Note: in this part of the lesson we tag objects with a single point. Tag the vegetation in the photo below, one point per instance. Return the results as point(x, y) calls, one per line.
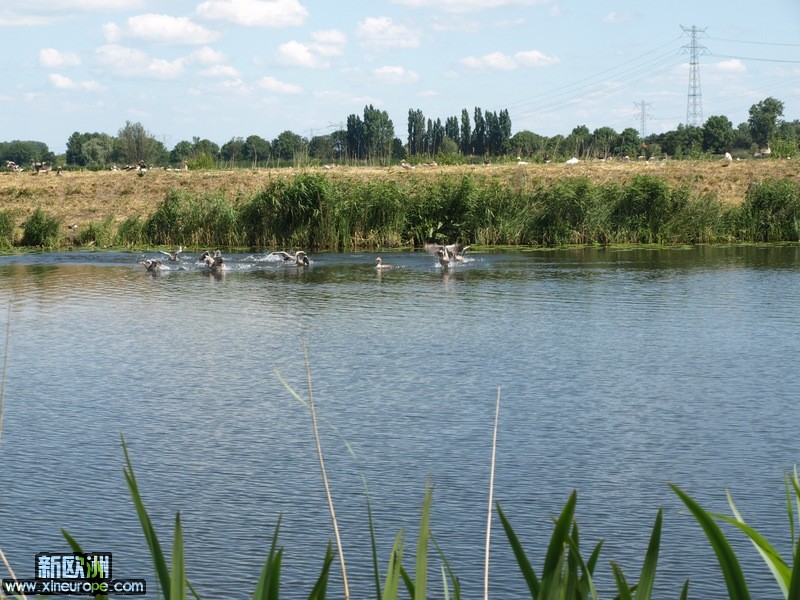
point(548, 205)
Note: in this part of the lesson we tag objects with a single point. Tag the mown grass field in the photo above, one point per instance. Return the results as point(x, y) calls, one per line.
point(82, 197)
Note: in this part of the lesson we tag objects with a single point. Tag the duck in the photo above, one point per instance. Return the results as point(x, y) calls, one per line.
point(379, 264)
point(173, 256)
point(300, 258)
point(151, 265)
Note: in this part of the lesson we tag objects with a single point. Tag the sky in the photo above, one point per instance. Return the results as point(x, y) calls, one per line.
point(219, 69)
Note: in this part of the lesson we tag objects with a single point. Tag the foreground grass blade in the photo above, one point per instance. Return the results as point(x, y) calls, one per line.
point(519, 553)
point(391, 586)
point(421, 564)
point(734, 578)
point(270, 573)
point(622, 584)
point(555, 550)
point(177, 584)
point(159, 563)
point(647, 577)
point(5, 370)
point(491, 500)
point(321, 587)
point(775, 563)
point(76, 547)
point(446, 566)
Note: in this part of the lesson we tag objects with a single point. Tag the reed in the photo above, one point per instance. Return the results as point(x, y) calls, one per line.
point(41, 230)
point(7, 229)
point(101, 234)
point(771, 212)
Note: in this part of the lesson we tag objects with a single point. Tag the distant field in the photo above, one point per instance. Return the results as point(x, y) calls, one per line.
point(82, 197)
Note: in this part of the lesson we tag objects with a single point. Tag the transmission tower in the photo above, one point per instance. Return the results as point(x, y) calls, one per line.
point(694, 101)
point(643, 115)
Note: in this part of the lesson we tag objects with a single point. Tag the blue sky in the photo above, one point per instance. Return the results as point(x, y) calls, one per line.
point(219, 69)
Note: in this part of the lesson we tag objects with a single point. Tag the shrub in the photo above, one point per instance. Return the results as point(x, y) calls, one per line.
point(41, 230)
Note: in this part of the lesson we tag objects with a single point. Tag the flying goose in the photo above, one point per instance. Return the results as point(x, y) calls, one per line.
point(215, 262)
point(151, 265)
point(457, 252)
point(300, 258)
point(173, 256)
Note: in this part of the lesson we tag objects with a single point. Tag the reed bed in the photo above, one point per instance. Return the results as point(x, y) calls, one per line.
point(365, 208)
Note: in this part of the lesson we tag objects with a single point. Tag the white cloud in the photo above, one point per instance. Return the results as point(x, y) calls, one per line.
point(554, 11)
point(278, 87)
point(222, 71)
point(534, 58)
point(460, 6)
point(497, 61)
point(328, 43)
point(616, 17)
point(160, 29)
point(206, 56)
point(254, 13)
point(33, 13)
point(131, 63)
point(295, 54)
point(428, 94)
point(50, 58)
point(65, 83)
point(733, 65)
point(380, 33)
point(392, 75)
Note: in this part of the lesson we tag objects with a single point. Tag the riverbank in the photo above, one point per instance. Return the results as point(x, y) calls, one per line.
point(342, 207)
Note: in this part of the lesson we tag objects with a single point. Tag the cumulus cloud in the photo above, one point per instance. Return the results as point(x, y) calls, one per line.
point(328, 43)
point(254, 13)
point(34, 13)
point(733, 65)
point(65, 83)
point(615, 17)
point(131, 63)
point(206, 56)
point(221, 71)
point(498, 61)
point(395, 75)
point(160, 29)
point(295, 54)
point(460, 6)
point(381, 33)
point(278, 87)
point(50, 58)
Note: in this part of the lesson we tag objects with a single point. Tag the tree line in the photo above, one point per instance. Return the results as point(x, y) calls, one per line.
point(370, 139)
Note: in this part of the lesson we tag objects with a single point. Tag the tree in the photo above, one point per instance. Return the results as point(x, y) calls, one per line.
point(321, 148)
point(134, 143)
point(416, 132)
point(717, 134)
point(603, 140)
point(628, 143)
point(74, 154)
point(356, 144)
point(526, 143)
point(451, 130)
point(578, 141)
point(25, 152)
point(378, 133)
point(182, 152)
point(98, 150)
point(479, 133)
point(255, 149)
point(466, 133)
point(764, 120)
point(289, 146)
point(232, 149)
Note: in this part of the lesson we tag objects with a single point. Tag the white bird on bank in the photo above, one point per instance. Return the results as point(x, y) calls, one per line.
point(728, 159)
point(173, 256)
point(300, 258)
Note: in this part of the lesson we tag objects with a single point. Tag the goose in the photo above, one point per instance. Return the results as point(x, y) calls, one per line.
point(215, 262)
point(379, 264)
point(444, 257)
point(728, 159)
point(151, 265)
point(173, 256)
point(456, 252)
point(300, 258)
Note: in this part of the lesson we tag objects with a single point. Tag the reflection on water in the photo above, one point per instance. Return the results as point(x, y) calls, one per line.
point(620, 371)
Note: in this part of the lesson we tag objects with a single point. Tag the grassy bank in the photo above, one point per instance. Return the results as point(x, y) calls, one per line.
point(342, 209)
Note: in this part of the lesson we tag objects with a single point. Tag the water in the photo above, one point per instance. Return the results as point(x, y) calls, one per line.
point(619, 371)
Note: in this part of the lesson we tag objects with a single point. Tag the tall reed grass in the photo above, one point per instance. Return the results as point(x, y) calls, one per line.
point(312, 211)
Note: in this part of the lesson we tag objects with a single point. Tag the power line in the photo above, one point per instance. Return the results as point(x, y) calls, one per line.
point(752, 42)
point(776, 60)
point(643, 115)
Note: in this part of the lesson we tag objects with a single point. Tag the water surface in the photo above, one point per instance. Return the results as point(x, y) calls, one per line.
point(619, 371)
